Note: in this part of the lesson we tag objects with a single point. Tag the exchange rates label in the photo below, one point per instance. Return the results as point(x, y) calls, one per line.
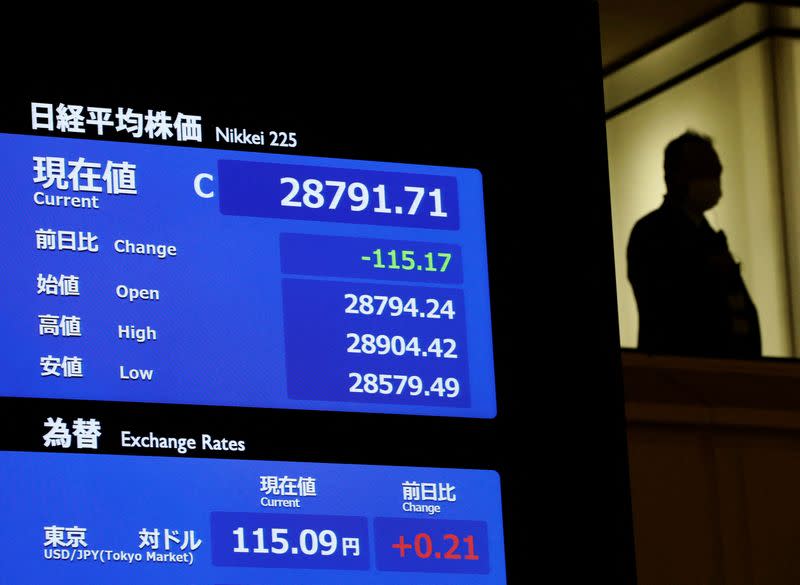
point(189, 521)
point(151, 273)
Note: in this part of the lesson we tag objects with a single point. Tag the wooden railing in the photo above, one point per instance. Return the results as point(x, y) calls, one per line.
point(714, 449)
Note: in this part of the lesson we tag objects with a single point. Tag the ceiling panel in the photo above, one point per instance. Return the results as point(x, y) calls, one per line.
point(627, 26)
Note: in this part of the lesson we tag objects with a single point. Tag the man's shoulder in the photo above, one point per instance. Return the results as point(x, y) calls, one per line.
point(656, 222)
point(662, 231)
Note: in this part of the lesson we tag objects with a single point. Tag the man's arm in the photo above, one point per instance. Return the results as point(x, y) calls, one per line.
point(666, 292)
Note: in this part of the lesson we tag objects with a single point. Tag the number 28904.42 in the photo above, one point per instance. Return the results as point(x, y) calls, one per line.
point(370, 344)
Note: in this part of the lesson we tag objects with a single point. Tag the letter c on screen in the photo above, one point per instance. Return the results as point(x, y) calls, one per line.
point(198, 190)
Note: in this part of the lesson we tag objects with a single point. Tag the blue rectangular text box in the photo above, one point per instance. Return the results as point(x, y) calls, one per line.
point(431, 546)
point(129, 520)
point(334, 349)
point(371, 258)
point(285, 191)
point(179, 303)
point(284, 540)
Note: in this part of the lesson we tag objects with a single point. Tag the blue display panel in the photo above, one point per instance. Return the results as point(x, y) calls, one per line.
point(169, 274)
point(99, 519)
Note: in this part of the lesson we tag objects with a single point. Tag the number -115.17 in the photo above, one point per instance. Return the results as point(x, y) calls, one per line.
point(407, 260)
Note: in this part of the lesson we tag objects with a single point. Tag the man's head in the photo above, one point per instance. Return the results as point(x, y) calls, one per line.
point(692, 172)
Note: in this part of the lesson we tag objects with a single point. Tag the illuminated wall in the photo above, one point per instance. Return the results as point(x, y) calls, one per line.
point(734, 101)
point(787, 58)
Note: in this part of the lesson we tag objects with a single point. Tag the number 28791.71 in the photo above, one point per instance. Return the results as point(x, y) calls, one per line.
point(316, 194)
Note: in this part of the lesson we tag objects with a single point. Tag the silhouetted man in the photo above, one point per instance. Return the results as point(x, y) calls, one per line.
point(690, 294)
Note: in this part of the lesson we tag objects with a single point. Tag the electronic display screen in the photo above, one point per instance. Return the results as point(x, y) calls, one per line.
point(168, 274)
point(203, 288)
point(128, 520)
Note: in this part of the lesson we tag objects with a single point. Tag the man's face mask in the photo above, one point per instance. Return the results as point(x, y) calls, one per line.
point(703, 193)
